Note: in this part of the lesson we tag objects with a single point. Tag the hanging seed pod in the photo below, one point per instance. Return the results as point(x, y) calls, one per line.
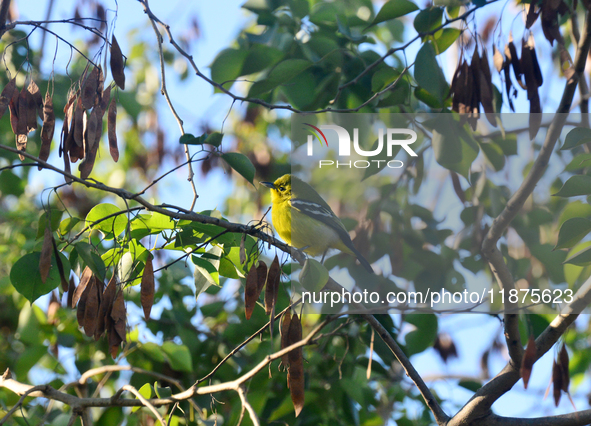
point(250, 291)
point(284, 331)
point(89, 89)
point(6, 96)
point(147, 288)
point(117, 64)
point(13, 105)
point(295, 375)
point(112, 130)
point(48, 128)
point(557, 382)
point(105, 307)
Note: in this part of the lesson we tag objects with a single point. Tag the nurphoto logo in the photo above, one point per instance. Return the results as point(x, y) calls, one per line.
point(393, 138)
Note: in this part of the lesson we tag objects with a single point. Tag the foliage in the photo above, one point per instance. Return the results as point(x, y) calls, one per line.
point(99, 246)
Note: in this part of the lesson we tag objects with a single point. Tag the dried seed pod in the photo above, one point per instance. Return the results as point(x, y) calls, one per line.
point(147, 288)
point(117, 64)
point(21, 125)
point(38, 99)
point(512, 56)
point(92, 307)
point(272, 289)
point(563, 363)
point(45, 259)
point(6, 95)
point(80, 311)
point(13, 105)
point(89, 88)
point(250, 291)
point(295, 375)
point(557, 381)
point(48, 128)
point(118, 315)
point(529, 358)
point(105, 307)
point(112, 130)
point(78, 123)
point(84, 280)
point(104, 102)
point(486, 89)
point(71, 291)
point(284, 331)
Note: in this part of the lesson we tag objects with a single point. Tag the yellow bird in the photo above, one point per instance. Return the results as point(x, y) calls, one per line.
point(305, 221)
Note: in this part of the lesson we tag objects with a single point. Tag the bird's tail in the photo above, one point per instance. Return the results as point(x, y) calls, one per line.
point(362, 259)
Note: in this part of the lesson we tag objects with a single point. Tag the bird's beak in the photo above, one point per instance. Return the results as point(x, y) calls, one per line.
point(268, 184)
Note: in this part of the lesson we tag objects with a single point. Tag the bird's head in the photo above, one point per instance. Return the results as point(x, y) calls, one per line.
point(280, 189)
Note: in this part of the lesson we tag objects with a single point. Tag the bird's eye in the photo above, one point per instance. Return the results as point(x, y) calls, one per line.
point(281, 188)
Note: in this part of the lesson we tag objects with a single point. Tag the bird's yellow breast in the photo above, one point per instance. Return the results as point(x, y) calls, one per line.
point(304, 232)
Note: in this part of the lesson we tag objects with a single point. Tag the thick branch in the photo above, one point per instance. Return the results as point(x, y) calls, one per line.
point(480, 404)
point(4, 8)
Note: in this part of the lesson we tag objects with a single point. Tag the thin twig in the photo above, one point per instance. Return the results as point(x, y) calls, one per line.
point(178, 119)
point(145, 402)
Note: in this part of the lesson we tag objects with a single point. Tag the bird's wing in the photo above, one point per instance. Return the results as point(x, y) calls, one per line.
point(322, 214)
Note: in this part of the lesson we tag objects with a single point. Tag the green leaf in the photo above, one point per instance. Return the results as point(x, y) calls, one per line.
point(111, 227)
point(572, 231)
point(241, 164)
point(580, 258)
point(227, 66)
point(445, 38)
point(206, 271)
point(471, 385)
point(494, 154)
point(282, 73)
point(153, 350)
point(313, 275)
point(11, 184)
point(260, 57)
point(576, 137)
point(67, 224)
point(151, 223)
point(146, 392)
point(26, 278)
point(394, 9)
point(428, 74)
point(428, 19)
point(214, 139)
point(189, 139)
point(179, 356)
point(91, 259)
point(575, 186)
point(425, 334)
point(55, 216)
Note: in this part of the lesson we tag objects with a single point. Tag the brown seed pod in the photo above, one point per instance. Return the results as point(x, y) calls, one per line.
point(118, 315)
point(147, 288)
point(21, 125)
point(563, 363)
point(89, 89)
point(272, 288)
point(37, 98)
point(105, 307)
point(250, 291)
point(45, 259)
point(13, 105)
point(117, 64)
point(92, 307)
point(295, 376)
point(84, 280)
point(284, 331)
point(557, 382)
point(78, 122)
point(112, 130)
point(48, 128)
point(6, 96)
